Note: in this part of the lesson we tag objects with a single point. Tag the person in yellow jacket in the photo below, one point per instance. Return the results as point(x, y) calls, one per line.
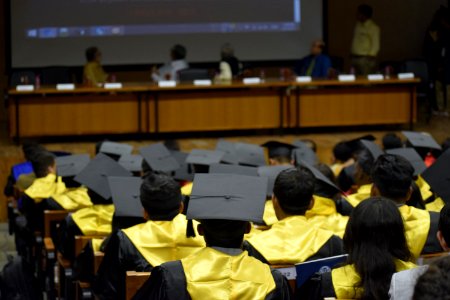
point(93, 72)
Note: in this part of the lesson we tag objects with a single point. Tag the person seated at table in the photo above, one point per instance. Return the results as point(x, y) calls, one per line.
point(377, 248)
point(229, 67)
point(142, 247)
point(222, 270)
point(317, 64)
point(293, 239)
point(392, 178)
point(169, 71)
point(93, 72)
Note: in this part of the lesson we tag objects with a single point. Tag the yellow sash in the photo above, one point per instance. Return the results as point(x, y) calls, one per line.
point(25, 181)
point(211, 274)
point(324, 215)
point(425, 189)
point(163, 241)
point(346, 280)
point(74, 199)
point(45, 187)
point(187, 189)
point(94, 220)
point(322, 206)
point(417, 225)
point(362, 194)
point(436, 205)
point(97, 244)
point(269, 216)
point(290, 241)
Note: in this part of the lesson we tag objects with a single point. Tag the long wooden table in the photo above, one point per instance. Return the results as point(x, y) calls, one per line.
point(145, 108)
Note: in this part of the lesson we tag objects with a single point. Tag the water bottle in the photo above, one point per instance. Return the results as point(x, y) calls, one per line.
point(37, 82)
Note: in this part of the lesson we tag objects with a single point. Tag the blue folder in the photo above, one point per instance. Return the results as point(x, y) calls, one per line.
point(22, 168)
point(307, 269)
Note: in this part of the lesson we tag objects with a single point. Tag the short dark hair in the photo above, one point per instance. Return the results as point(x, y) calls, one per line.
point(444, 223)
point(90, 53)
point(294, 189)
point(374, 238)
point(41, 161)
point(224, 233)
point(392, 141)
point(393, 176)
point(29, 149)
point(435, 282)
point(178, 52)
point(160, 197)
point(366, 10)
point(365, 161)
point(342, 151)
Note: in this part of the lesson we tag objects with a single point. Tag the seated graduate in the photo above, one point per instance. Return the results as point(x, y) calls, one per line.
point(342, 157)
point(391, 141)
point(443, 234)
point(392, 178)
point(169, 71)
point(224, 204)
point(377, 248)
point(229, 67)
point(293, 239)
point(93, 72)
point(434, 283)
point(317, 64)
point(142, 247)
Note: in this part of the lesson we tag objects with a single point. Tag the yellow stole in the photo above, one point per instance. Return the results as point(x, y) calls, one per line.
point(362, 194)
point(269, 216)
point(436, 205)
point(163, 241)
point(45, 187)
point(215, 275)
point(346, 280)
point(290, 241)
point(74, 199)
point(417, 225)
point(425, 189)
point(187, 189)
point(95, 220)
point(324, 215)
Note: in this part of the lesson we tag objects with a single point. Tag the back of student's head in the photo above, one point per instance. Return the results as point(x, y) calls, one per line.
point(178, 52)
point(160, 197)
point(42, 161)
point(294, 189)
point(224, 233)
point(91, 53)
point(374, 237)
point(29, 149)
point(393, 175)
point(444, 224)
point(435, 282)
point(324, 189)
point(366, 10)
point(342, 152)
point(392, 141)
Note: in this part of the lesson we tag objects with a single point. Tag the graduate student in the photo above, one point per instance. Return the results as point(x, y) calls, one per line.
point(443, 234)
point(144, 246)
point(224, 204)
point(392, 178)
point(293, 239)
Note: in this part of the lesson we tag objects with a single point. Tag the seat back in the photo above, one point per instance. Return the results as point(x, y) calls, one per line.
point(290, 273)
point(187, 75)
point(51, 217)
point(134, 281)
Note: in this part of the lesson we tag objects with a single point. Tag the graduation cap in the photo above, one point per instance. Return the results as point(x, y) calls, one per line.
point(250, 155)
point(227, 197)
point(159, 158)
point(304, 153)
point(421, 140)
point(115, 150)
point(229, 148)
point(271, 173)
point(373, 148)
point(72, 165)
point(95, 174)
point(125, 193)
point(233, 169)
point(22, 168)
point(355, 144)
point(204, 157)
point(412, 156)
point(320, 176)
point(278, 149)
point(131, 162)
point(183, 172)
point(438, 176)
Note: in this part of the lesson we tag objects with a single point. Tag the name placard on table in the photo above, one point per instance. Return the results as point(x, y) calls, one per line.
point(252, 80)
point(405, 75)
point(167, 83)
point(112, 85)
point(65, 86)
point(303, 79)
point(25, 88)
point(349, 77)
point(202, 82)
point(375, 77)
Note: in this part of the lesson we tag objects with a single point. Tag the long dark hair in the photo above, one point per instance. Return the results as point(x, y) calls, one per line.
point(374, 238)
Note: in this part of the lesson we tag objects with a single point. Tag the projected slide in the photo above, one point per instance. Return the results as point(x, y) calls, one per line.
point(146, 17)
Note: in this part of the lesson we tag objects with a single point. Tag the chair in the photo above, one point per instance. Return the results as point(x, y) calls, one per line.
point(193, 74)
point(134, 281)
point(289, 272)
